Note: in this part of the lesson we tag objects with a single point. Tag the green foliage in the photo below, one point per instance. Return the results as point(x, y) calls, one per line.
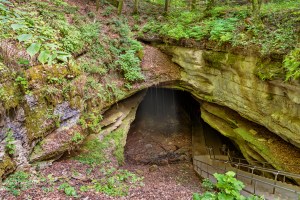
point(10, 146)
point(291, 64)
point(119, 138)
point(91, 121)
point(222, 29)
point(77, 138)
point(94, 149)
point(130, 65)
point(116, 182)
point(108, 10)
point(68, 189)
point(92, 152)
point(23, 83)
point(3, 94)
point(33, 34)
point(84, 188)
point(17, 182)
point(227, 187)
point(233, 24)
point(207, 184)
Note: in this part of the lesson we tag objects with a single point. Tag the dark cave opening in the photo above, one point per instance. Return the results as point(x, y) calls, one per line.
point(168, 128)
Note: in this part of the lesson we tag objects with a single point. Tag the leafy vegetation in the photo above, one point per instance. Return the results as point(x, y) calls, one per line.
point(95, 152)
point(227, 187)
point(68, 189)
point(116, 182)
point(18, 182)
point(267, 33)
point(291, 64)
point(10, 146)
point(77, 138)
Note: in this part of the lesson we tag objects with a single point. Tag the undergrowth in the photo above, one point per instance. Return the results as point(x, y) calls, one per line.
point(276, 33)
point(227, 187)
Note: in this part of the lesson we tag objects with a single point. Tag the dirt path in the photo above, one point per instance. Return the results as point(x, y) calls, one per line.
point(175, 181)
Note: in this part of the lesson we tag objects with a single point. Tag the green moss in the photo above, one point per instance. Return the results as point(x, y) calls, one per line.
point(118, 138)
point(38, 149)
point(10, 95)
point(35, 121)
point(214, 59)
point(208, 98)
point(92, 151)
point(6, 165)
point(268, 70)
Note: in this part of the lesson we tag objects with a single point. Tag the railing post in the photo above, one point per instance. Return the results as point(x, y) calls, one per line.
point(275, 182)
point(264, 164)
point(252, 171)
point(254, 188)
point(207, 171)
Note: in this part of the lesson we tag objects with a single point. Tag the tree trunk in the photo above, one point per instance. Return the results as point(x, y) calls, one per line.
point(120, 7)
point(210, 4)
point(193, 7)
point(256, 5)
point(97, 5)
point(167, 6)
point(136, 6)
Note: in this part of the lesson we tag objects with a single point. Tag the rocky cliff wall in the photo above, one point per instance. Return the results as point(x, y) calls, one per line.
point(48, 121)
point(231, 80)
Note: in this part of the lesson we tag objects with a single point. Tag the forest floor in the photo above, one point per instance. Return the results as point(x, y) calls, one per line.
point(174, 181)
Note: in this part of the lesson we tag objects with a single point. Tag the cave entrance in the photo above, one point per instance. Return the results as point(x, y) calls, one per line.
point(168, 129)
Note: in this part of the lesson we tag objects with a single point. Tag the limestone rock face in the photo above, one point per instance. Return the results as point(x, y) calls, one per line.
point(230, 80)
point(63, 138)
point(256, 142)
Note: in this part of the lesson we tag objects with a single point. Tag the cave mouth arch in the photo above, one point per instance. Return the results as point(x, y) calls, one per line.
point(168, 128)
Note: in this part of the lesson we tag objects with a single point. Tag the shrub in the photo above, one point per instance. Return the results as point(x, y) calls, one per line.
point(228, 187)
point(130, 65)
point(291, 64)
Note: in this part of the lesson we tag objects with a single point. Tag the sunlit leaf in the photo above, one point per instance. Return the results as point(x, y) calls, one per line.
point(44, 56)
point(24, 37)
point(17, 26)
point(33, 49)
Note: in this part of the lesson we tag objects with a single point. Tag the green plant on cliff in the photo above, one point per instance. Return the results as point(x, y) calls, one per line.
point(227, 187)
point(93, 152)
point(291, 64)
point(3, 94)
point(23, 83)
point(77, 138)
point(10, 146)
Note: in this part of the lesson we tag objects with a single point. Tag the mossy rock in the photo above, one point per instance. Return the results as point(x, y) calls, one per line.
point(10, 95)
point(39, 121)
point(7, 165)
point(58, 142)
point(269, 70)
point(214, 59)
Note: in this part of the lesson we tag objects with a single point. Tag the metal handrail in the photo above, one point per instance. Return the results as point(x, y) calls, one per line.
point(274, 185)
point(263, 162)
point(259, 168)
